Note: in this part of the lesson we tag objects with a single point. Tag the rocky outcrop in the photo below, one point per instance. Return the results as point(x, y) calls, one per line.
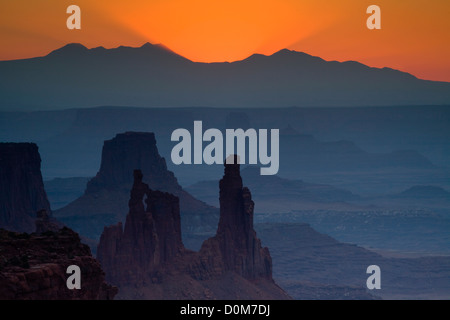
point(235, 246)
point(104, 201)
point(151, 237)
point(33, 267)
point(147, 259)
point(44, 223)
point(22, 191)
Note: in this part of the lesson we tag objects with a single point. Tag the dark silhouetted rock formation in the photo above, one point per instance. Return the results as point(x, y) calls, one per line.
point(33, 267)
point(153, 76)
point(235, 246)
point(44, 223)
point(106, 195)
point(124, 153)
point(147, 258)
point(22, 191)
point(151, 238)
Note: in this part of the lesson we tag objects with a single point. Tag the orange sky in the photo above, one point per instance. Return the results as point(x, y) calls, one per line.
point(414, 35)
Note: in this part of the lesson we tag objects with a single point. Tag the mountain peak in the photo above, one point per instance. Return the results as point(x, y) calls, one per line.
point(155, 45)
point(161, 50)
point(71, 48)
point(147, 45)
point(284, 53)
point(74, 46)
point(75, 50)
point(284, 56)
point(152, 75)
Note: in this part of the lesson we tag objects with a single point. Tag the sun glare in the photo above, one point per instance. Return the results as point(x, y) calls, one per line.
point(208, 31)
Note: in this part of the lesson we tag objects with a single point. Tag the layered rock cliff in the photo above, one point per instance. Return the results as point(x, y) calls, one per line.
point(33, 267)
point(104, 201)
point(147, 259)
point(22, 191)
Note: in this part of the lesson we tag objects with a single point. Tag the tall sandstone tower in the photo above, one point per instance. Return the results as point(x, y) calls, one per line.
point(146, 258)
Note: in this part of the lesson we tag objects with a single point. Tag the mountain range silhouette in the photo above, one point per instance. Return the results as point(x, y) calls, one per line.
point(153, 75)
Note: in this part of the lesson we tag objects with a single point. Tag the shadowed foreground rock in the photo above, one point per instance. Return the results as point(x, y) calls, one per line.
point(22, 191)
point(147, 260)
point(33, 267)
point(44, 223)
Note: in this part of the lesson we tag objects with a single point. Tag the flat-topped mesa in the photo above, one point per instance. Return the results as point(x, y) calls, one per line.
point(107, 194)
point(150, 239)
point(239, 248)
point(22, 191)
point(127, 151)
